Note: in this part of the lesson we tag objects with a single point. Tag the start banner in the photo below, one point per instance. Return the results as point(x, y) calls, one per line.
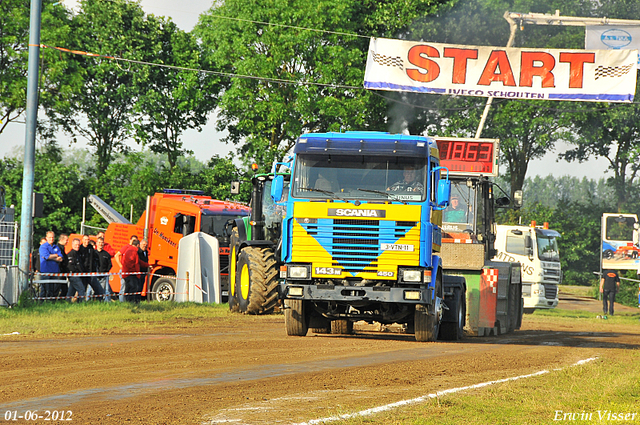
point(540, 74)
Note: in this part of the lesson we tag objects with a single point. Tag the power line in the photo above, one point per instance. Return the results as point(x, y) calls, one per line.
point(294, 82)
point(205, 71)
point(288, 26)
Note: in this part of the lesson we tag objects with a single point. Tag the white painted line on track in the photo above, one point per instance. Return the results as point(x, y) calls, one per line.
point(423, 398)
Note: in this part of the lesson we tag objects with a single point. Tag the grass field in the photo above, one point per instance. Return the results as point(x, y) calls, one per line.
point(590, 393)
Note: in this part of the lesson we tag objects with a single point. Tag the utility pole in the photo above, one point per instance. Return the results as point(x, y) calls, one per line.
point(516, 20)
point(26, 218)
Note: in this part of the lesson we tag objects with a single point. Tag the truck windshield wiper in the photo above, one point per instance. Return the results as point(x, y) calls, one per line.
point(333, 195)
point(387, 194)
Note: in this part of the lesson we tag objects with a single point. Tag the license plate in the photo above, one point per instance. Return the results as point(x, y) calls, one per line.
point(332, 271)
point(396, 247)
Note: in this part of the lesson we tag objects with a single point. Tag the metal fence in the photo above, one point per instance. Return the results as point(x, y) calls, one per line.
point(8, 240)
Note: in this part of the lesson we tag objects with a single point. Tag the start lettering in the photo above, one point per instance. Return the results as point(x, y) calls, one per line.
point(498, 67)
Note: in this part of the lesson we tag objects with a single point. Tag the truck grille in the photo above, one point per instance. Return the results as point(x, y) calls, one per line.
point(551, 275)
point(355, 245)
point(550, 292)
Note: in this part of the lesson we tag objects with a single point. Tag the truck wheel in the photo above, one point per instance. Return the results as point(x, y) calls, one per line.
point(341, 327)
point(164, 289)
point(256, 281)
point(453, 331)
point(427, 317)
point(295, 318)
point(234, 240)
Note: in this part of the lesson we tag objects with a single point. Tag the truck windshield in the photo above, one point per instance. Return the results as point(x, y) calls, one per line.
point(548, 248)
point(213, 224)
point(359, 177)
point(461, 206)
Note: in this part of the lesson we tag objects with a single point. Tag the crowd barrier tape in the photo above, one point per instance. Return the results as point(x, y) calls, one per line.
point(114, 296)
point(92, 274)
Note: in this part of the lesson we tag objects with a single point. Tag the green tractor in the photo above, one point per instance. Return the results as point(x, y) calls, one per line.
point(254, 244)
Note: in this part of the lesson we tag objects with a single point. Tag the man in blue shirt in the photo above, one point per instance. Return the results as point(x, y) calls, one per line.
point(50, 259)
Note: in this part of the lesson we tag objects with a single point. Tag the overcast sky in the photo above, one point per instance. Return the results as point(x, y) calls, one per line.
point(206, 143)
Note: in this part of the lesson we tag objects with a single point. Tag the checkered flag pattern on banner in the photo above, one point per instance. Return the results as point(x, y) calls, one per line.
point(387, 60)
point(612, 71)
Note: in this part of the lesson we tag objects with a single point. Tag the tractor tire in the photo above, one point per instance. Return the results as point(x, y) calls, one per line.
point(164, 289)
point(427, 317)
point(341, 327)
point(453, 331)
point(234, 241)
point(295, 318)
point(256, 287)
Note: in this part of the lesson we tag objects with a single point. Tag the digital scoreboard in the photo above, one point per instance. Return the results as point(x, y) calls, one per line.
point(469, 156)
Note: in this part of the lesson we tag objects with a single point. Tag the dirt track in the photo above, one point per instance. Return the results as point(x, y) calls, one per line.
point(245, 370)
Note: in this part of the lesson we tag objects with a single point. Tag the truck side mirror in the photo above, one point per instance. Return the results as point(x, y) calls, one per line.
point(528, 245)
point(517, 199)
point(235, 187)
point(444, 193)
point(277, 187)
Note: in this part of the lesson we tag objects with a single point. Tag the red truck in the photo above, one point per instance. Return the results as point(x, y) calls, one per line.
point(169, 216)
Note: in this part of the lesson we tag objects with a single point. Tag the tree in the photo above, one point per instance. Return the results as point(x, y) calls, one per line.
point(612, 132)
point(103, 111)
point(176, 100)
point(296, 80)
point(56, 78)
point(527, 129)
point(62, 188)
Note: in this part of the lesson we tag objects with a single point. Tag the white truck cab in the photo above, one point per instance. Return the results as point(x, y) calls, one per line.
point(536, 249)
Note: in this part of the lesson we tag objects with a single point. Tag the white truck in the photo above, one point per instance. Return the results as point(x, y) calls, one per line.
point(536, 249)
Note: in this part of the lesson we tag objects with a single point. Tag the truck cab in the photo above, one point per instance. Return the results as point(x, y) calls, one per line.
point(536, 249)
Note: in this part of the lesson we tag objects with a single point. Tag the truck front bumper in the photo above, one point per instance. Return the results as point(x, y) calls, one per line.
point(347, 294)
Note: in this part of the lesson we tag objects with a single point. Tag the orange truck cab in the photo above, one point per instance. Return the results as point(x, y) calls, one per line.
point(170, 216)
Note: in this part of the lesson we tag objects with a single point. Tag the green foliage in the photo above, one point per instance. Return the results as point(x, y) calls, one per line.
point(56, 76)
point(628, 294)
point(175, 100)
point(265, 117)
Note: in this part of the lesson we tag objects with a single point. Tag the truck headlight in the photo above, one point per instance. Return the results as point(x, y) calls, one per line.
point(412, 276)
point(298, 272)
point(295, 291)
point(412, 295)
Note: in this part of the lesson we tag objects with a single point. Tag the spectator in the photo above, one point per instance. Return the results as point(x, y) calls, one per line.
point(104, 265)
point(130, 269)
point(107, 246)
point(118, 258)
point(63, 239)
point(609, 286)
point(143, 262)
point(89, 265)
point(76, 287)
point(50, 259)
point(35, 267)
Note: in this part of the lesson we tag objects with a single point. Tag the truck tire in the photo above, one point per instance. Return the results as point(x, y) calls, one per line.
point(164, 289)
point(341, 327)
point(234, 241)
point(295, 318)
point(427, 317)
point(256, 281)
point(453, 331)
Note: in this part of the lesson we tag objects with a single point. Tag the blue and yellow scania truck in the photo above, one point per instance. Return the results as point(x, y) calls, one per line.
point(354, 230)
point(362, 235)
